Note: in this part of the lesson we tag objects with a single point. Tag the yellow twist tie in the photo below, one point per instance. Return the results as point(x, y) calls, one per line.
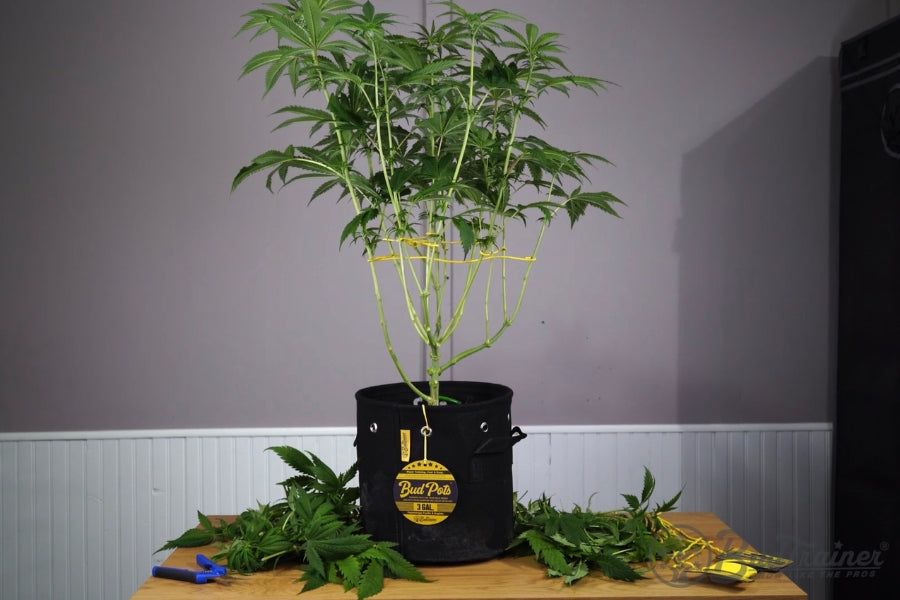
point(683, 557)
point(422, 242)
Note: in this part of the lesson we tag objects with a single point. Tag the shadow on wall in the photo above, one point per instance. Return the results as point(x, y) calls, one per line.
point(756, 244)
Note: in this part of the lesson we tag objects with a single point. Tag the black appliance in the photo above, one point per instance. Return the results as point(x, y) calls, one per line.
point(865, 560)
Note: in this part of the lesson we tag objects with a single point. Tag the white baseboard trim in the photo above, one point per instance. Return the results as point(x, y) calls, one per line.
point(81, 513)
point(119, 434)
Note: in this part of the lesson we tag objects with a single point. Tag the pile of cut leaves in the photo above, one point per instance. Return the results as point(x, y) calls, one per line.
point(572, 543)
point(317, 527)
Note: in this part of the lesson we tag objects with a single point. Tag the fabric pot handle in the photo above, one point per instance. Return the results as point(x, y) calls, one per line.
point(501, 444)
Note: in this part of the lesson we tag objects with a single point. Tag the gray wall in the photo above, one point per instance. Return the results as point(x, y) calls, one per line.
point(137, 292)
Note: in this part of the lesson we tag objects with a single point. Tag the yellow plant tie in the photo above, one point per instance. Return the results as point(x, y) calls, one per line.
point(416, 242)
point(695, 545)
point(423, 242)
point(426, 431)
point(454, 261)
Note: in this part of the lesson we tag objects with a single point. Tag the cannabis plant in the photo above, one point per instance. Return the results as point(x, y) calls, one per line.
point(419, 128)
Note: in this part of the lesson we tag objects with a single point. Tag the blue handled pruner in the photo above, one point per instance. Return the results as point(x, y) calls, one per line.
point(210, 571)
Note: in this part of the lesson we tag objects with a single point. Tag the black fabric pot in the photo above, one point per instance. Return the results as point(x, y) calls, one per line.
point(461, 514)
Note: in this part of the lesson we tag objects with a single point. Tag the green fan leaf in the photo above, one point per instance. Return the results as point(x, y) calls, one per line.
point(579, 571)
point(649, 486)
point(315, 563)
point(669, 504)
point(296, 459)
point(313, 581)
point(351, 570)
point(371, 582)
point(547, 552)
point(395, 564)
point(191, 538)
point(633, 501)
point(616, 568)
point(466, 234)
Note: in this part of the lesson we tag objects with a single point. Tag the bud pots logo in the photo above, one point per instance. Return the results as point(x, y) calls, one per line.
point(425, 492)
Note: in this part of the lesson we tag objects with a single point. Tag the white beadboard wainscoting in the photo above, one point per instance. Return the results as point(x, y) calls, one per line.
point(82, 513)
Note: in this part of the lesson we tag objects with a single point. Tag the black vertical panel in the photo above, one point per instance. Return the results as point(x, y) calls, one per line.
point(866, 556)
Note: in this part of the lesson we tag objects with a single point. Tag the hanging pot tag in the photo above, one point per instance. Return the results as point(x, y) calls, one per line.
point(425, 492)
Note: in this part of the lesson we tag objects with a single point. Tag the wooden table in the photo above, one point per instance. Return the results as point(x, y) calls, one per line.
point(499, 579)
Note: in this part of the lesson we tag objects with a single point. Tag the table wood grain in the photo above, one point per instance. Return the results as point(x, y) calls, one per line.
point(498, 579)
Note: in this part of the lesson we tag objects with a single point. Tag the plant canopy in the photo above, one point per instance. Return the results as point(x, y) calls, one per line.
point(420, 128)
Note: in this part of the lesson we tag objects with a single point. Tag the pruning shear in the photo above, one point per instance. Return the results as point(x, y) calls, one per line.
point(210, 571)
